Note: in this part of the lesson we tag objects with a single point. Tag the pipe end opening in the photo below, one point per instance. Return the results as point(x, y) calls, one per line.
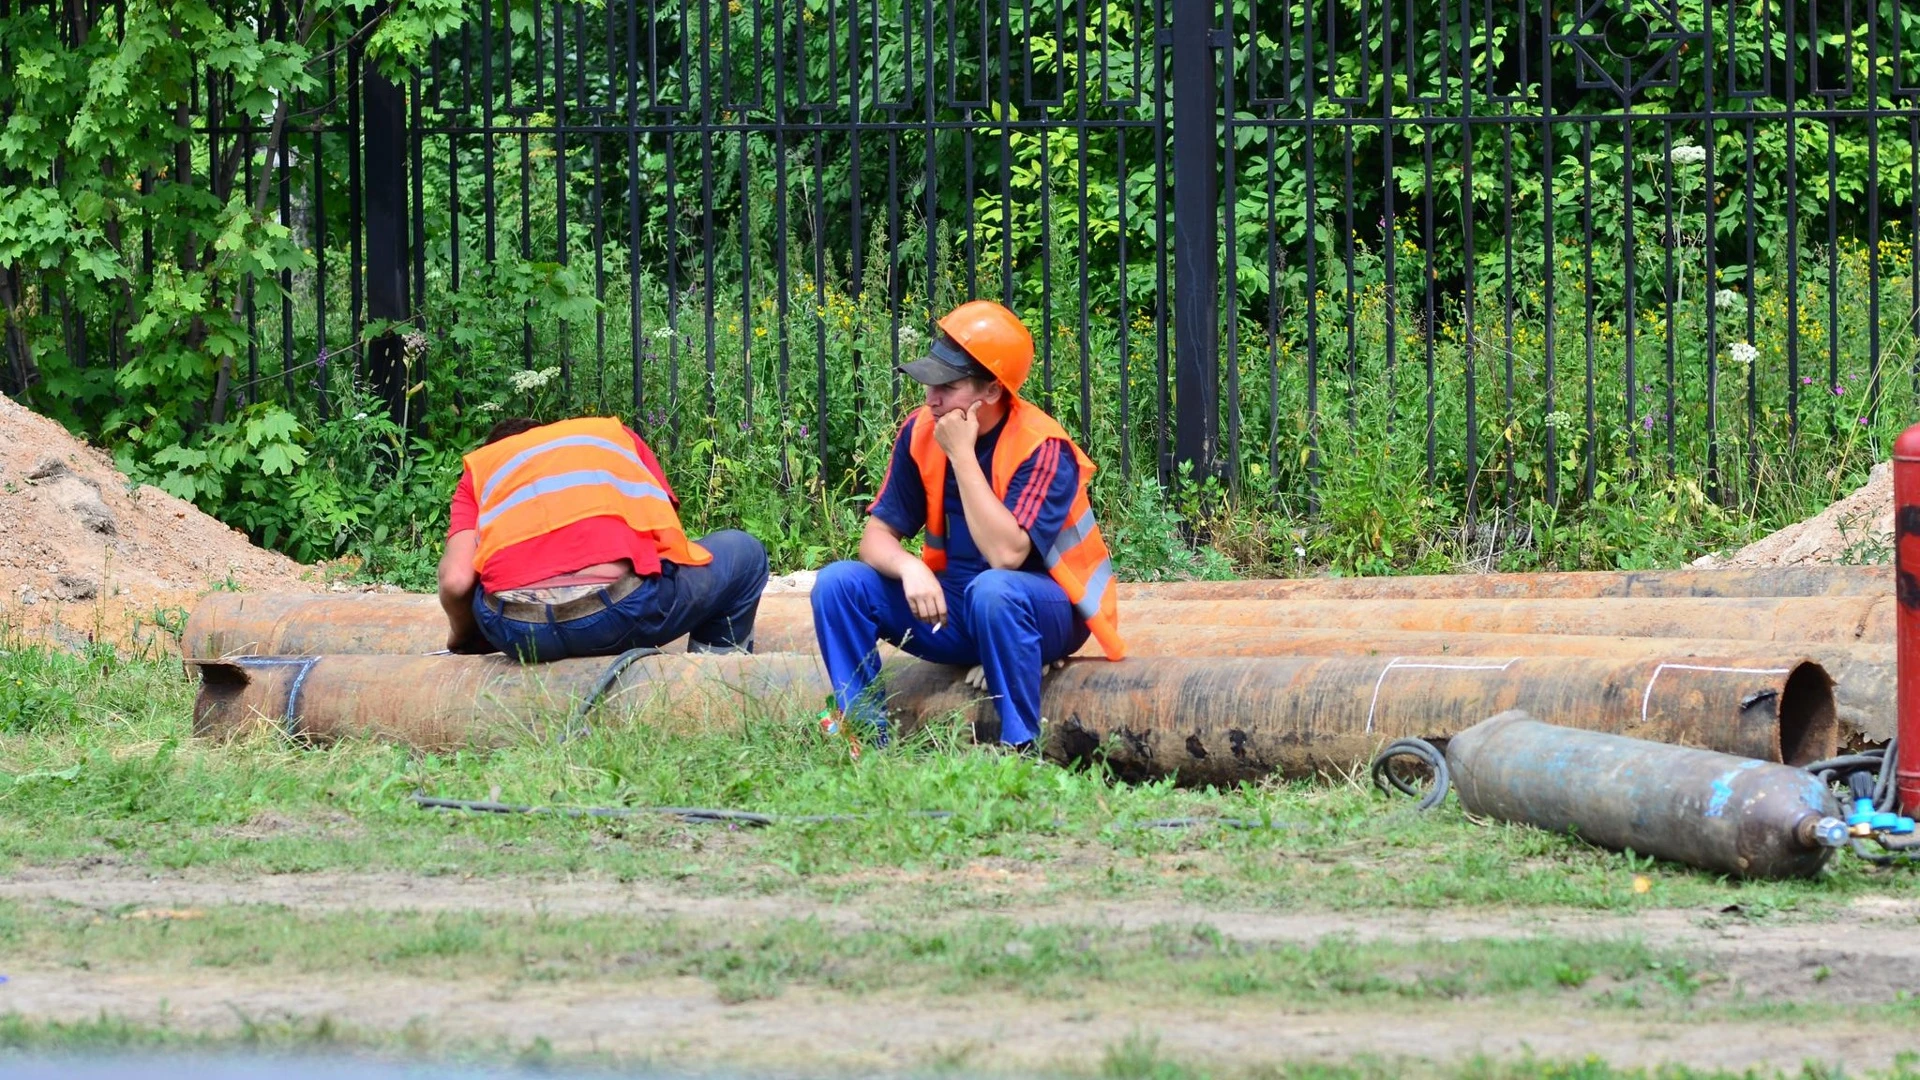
point(1809, 723)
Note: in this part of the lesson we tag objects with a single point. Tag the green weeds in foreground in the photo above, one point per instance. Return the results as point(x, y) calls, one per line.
point(110, 770)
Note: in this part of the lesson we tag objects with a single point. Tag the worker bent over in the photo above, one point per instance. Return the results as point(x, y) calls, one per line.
point(564, 540)
point(1013, 574)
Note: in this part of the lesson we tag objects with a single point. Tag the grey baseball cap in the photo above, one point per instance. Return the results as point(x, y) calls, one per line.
point(945, 362)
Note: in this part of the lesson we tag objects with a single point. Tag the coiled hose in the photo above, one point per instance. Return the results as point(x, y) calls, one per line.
point(1389, 780)
point(1839, 771)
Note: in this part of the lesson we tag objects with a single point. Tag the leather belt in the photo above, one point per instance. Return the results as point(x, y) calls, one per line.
point(599, 600)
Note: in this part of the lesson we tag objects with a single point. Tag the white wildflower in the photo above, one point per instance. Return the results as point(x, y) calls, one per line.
point(487, 406)
point(1729, 300)
point(1743, 352)
point(1299, 552)
point(663, 333)
point(910, 338)
point(1559, 420)
point(359, 416)
point(413, 344)
point(524, 382)
point(1688, 154)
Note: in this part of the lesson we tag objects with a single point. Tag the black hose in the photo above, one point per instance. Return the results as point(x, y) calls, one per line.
point(689, 814)
point(1883, 793)
point(1880, 762)
point(696, 815)
point(1420, 750)
point(577, 723)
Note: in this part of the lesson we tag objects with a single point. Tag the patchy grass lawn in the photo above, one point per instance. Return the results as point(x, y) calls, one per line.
point(1044, 892)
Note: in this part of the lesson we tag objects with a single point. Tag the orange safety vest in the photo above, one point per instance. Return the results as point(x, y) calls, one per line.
point(553, 476)
point(1078, 560)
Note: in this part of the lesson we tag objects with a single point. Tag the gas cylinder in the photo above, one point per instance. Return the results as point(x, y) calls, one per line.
point(1906, 586)
point(1718, 812)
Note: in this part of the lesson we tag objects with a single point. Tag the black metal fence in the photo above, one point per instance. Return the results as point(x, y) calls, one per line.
point(1523, 246)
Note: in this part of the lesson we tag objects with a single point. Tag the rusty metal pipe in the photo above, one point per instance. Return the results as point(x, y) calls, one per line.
point(239, 624)
point(1822, 619)
point(444, 702)
point(1781, 581)
point(1201, 720)
point(1221, 721)
point(230, 624)
point(1863, 674)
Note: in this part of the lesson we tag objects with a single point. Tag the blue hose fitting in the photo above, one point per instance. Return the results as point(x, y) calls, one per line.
point(1860, 822)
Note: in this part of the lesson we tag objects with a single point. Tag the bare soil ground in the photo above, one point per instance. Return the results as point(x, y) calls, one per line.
point(1866, 955)
point(1858, 528)
point(86, 554)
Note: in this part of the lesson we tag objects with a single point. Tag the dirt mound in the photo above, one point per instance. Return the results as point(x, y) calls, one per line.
point(88, 555)
point(1857, 529)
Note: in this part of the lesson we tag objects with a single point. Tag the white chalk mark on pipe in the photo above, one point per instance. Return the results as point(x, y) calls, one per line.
point(1395, 663)
point(1646, 700)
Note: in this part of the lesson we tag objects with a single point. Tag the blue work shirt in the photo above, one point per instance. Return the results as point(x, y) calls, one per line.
point(1039, 497)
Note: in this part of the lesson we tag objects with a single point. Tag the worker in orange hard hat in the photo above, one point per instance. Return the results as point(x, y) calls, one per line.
point(1013, 575)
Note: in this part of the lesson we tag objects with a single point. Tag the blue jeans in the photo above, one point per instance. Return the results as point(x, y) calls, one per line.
point(714, 605)
point(1011, 622)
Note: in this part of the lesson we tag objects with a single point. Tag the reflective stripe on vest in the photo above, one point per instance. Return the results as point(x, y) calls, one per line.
point(549, 447)
point(553, 476)
point(1075, 534)
point(1077, 560)
point(547, 485)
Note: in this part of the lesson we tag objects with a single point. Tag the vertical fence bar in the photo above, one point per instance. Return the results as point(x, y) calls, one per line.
point(386, 220)
point(1591, 470)
point(1310, 156)
point(318, 195)
point(1709, 244)
point(1792, 192)
point(636, 293)
point(1163, 456)
point(356, 254)
point(1872, 413)
point(1467, 260)
point(562, 249)
point(1672, 241)
point(1550, 257)
point(1081, 135)
point(1230, 248)
point(783, 377)
point(707, 112)
point(249, 285)
point(1196, 238)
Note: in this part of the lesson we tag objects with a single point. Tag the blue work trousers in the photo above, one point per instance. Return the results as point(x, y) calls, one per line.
point(714, 605)
point(1011, 622)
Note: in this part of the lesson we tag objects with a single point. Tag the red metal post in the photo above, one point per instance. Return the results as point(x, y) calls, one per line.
point(1906, 565)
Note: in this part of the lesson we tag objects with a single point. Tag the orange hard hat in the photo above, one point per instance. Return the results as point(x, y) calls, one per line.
point(995, 338)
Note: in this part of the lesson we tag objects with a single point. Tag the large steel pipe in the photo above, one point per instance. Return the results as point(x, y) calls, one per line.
point(1812, 619)
point(1225, 720)
point(442, 702)
point(1863, 675)
point(1208, 720)
point(233, 624)
point(1576, 585)
point(229, 624)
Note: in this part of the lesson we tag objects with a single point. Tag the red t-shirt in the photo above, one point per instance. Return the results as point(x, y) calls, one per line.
point(566, 549)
